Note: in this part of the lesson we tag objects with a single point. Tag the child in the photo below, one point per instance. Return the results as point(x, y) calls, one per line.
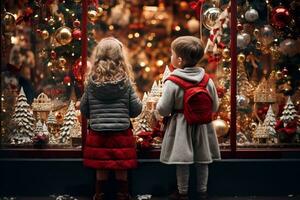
point(185, 144)
point(109, 101)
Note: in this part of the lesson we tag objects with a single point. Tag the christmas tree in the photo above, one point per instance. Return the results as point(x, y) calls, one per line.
point(270, 123)
point(23, 118)
point(51, 118)
point(69, 121)
point(38, 127)
point(289, 113)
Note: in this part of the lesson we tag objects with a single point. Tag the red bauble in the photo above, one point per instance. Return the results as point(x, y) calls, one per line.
point(77, 69)
point(76, 23)
point(76, 34)
point(280, 17)
point(67, 79)
point(53, 54)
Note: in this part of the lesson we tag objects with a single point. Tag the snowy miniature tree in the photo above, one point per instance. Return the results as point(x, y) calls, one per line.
point(38, 127)
point(289, 113)
point(270, 123)
point(23, 118)
point(166, 73)
point(51, 118)
point(69, 121)
point(45, 129)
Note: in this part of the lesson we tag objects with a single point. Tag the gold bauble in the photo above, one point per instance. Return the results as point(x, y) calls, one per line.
point(93, 15)
point(221, 127)
point(9, 22)
point(258, 45)
point(256, 32)
point(100, 11)
point(50, 64)
point(63, 35)
point(241, 57)
point(210, 17)
point(62, 61)
point(45, 34)
point(226, 53)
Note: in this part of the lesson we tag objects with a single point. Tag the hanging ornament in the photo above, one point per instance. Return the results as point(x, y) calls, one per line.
point(53, 54)
point(9, 22)
point(210, 17)
point(241, 42)
point(247, 38)
point(193, 25)
point(76, 23)
point(92, 15)
point(99, 11)
point(239, 27)
point(241, 58)
point(77, 69)
point(45, 34)
point(51, 21)
point(67, 80)
point(288, 47)
point(62, 61)
point(63, 35)
point(220, 126)
point(183, 6)
point(251, 15)
point(76, 34)
point(242, 101)
point(267, 34)
point(226, 53)
point(280, 17)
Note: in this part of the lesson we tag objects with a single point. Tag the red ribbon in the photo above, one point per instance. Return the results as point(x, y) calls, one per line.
point(197, 6)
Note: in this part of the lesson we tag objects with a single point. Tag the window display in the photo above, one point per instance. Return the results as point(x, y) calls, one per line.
point(42, 73)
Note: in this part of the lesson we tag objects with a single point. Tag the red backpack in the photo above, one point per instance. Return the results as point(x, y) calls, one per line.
point(197, 102)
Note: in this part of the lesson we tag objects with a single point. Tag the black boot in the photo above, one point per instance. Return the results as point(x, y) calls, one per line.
point(177, 196)
point(123, 190)
point(99, 190)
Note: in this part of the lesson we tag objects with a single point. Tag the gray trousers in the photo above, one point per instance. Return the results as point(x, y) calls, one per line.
point(183, 174)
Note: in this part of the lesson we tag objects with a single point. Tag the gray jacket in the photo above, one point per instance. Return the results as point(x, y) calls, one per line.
point(110, 105)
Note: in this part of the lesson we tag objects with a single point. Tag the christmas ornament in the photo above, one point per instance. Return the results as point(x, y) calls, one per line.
point(45, 34)
point(226, 53)
point(289, 47)
point(193, 25)
point(267, 34)
point(77, 67)
point(99, 11)
point(280, 17)
point(256, 32)
point(76, 34)
point(183, 6)
point(247, 38)
point(241, 58)
point(251, 15)
point(9, 22)
point(77, 1)
point(92, 15)
point(62, 61)
point(53, 54)
point(51, 21)
point(76, 23)
point(242, 101)
point(210, 17)
point(220, 126)
point(67, 80)
point(63, 35)
point(241, 42)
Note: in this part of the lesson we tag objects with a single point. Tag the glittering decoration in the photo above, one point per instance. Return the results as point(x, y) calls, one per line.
point(251, 15)
point(260, 135)
point(220, 126)
point(210, 17)
point(42, 103)
point(265, 91)
point(63, 35)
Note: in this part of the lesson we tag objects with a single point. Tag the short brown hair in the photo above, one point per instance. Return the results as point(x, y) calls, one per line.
point(189, 48)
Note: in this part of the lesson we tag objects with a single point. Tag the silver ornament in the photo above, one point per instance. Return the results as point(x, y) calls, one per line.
point(251, 15)
point(242, 101)
point(267, 34)
point(210, 17)
point(288, 47)
point(240, 41)
point(247, 38)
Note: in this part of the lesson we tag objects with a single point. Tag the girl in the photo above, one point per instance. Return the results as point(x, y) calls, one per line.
point(185, 144)
point(109, 101)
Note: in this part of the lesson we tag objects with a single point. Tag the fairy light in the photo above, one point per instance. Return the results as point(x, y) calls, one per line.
point(111, 27)
point(136, 35)
point(73, 14)
point(53, 28)
point(53, 77)
point(159, 63)
point(69, 84)
point(59, 18)
point(149, 44)
point(142, 64)
point(73, 54)
point(67, 9)
point(130, 36)
point(177, 28)
point(147, 69)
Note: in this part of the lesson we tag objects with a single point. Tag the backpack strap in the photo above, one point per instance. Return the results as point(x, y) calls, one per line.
point(204, 81)
point(186, 84)
point(179, 81)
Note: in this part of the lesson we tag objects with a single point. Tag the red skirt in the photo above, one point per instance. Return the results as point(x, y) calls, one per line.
point(110, 150)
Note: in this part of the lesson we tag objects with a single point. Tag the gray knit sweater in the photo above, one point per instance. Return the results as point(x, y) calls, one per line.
point(110, 105)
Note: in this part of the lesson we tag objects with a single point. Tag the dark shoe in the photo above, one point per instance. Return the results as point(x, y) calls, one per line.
point(202, 196)
point(123, 190)
point(123, 196)
point(176, 196)
point(98, 196)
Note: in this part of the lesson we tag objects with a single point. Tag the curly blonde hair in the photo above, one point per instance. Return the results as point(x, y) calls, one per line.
point(109, 62)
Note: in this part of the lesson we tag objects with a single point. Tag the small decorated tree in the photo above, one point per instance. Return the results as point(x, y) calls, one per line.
point(270, 123)
point(24, 121)
point(69, 121)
